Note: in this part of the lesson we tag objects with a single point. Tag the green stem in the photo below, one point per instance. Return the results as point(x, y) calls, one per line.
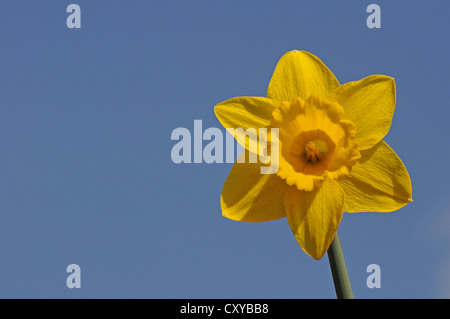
point(339, 269)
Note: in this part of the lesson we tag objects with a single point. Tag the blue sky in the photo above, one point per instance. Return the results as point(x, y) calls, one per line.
point(86, 176)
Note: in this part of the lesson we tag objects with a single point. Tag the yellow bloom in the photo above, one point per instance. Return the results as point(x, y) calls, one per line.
point(331, 154)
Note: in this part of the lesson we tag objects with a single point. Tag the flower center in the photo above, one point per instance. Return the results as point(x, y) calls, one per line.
point(313, 153)
point(315, 142)
point(309, 152)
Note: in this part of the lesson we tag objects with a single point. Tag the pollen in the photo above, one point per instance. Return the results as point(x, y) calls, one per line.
point(313, 153)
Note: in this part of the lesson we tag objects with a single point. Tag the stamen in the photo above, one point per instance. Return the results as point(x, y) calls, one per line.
point(313, 153)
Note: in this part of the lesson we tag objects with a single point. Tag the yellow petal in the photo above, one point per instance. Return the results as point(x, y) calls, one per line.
point(244, 112)
point(370, 104)
point(244, 116)
point(300, 74)
point(379, 182)
point(251, 196)
point(314, 216)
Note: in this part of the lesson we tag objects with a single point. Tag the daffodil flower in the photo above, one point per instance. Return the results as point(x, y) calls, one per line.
point(331, 154)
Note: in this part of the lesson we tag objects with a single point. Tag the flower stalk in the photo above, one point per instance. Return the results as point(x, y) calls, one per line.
point(339, 270)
